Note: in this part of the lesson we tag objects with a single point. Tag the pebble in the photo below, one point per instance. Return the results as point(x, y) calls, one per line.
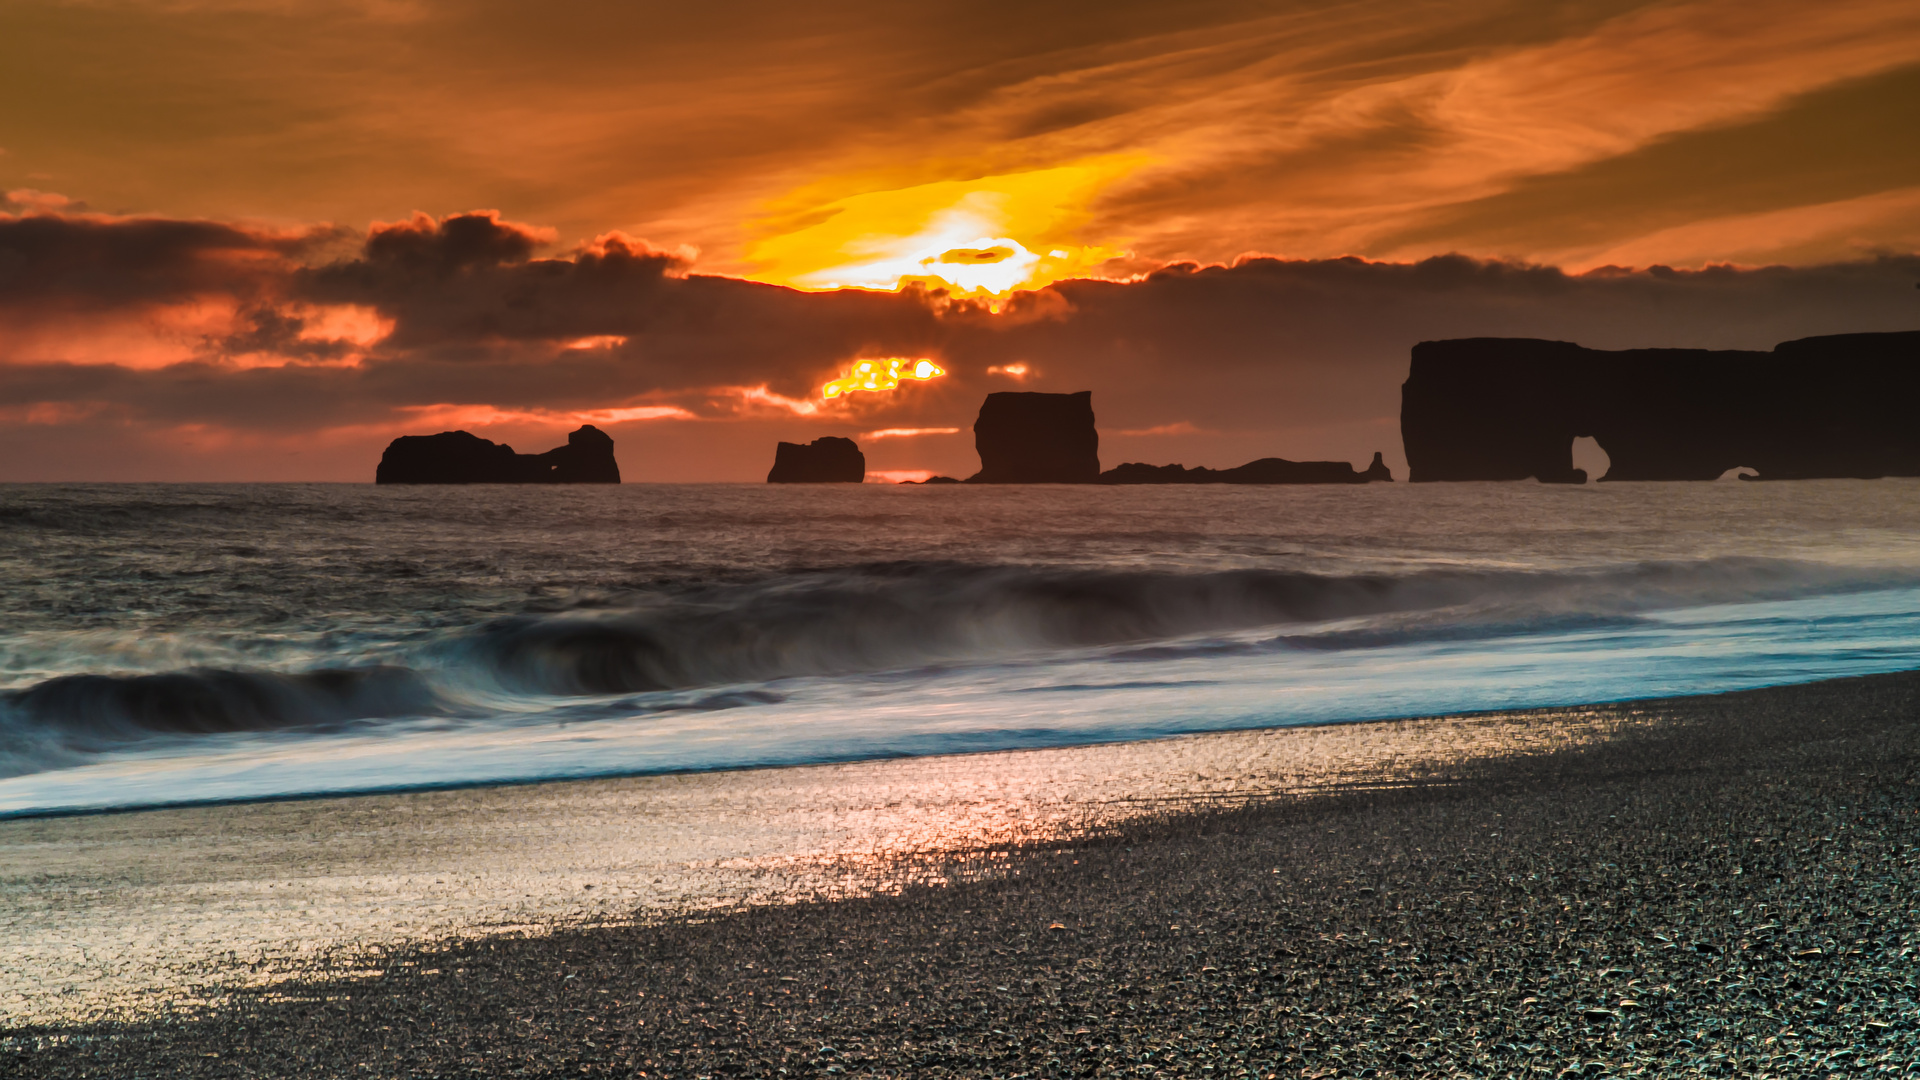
point(1544, 917)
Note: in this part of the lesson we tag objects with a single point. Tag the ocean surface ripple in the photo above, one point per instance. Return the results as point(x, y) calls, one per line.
point(180, 643)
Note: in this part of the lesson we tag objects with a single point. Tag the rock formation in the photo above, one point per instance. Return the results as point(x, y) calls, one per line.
point(826, 460)
point(1271, 470)
point(456, 457)
point(1510, 408)
point(1032, 438)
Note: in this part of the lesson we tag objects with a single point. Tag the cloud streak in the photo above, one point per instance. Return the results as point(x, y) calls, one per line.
point(1303, 127)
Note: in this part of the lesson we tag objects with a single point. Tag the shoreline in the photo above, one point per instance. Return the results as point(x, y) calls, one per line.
point(455, 786)
point(1610, 879)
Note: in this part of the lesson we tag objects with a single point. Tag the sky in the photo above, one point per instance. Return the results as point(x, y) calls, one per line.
point(258, 239)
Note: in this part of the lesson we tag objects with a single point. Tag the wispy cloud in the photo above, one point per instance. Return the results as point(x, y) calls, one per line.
point(1178, 427)
point(1304, 128)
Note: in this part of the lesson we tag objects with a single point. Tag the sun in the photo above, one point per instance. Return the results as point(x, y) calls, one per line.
point(984, 238)
point(882, 374)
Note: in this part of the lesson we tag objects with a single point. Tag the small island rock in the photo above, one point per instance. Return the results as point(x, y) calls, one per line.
point(826, 460)
point(458, 457)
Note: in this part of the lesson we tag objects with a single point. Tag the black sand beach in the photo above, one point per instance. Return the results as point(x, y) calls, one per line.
point(1726, 890)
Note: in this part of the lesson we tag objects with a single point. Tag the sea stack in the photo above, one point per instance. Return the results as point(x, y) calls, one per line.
point(1510, 408)
point(458, 457)
point(1032, 438)
point(826, 460)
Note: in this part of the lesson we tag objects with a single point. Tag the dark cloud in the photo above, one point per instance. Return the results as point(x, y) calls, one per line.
point(479, 239)
point(94, 262)
point(1301, 358)
point(682, 331)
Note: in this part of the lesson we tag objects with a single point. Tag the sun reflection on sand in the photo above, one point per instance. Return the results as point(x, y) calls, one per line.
point(126, 914)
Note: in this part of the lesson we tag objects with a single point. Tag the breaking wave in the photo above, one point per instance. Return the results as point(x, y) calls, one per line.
point(901, 616)
point(67, 717)
point(713, 647)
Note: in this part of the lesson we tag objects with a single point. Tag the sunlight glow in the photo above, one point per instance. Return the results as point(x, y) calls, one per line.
point(882, 374)
point(980, 239)
point(356, 324)
point(909, 432)
point(597, 341)
point(899, 476)
point(451, 415)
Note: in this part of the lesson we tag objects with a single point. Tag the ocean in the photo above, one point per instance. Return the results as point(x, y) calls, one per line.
point(177, 644)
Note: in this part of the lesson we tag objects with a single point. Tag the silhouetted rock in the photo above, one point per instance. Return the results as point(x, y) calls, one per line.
point(826, 460)
point(933, 480)
point(1032, 438)
point(1510, 408)
point(456, 457)
point(1263, 471)
point(586, 459)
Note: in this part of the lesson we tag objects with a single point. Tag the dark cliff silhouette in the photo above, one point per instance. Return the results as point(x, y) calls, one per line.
point(1510, 408)
point(826, 460)
point(1271, 470)
point(1033, 438)
point(456, 457)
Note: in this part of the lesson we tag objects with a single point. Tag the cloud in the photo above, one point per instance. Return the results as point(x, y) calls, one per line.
point(1372, 126)
point(90, 262)
point(422, 245)
point(30, 200)
point(463, 318)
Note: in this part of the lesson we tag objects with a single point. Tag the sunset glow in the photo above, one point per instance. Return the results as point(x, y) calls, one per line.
point(882, 374)
point(909, 432)
point(981, 239)
point(1230, 222)
point(758, 537)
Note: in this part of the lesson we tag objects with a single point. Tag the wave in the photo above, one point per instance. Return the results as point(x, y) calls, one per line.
point(88, 713)
point(900, 616)
point(704, 647)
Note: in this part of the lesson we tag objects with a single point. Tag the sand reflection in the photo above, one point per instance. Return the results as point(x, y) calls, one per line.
point(127, 914)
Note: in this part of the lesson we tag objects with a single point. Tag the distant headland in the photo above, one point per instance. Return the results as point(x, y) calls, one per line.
point(1510, 408)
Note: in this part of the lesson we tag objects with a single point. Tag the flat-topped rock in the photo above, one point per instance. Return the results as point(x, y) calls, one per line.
point(1036, 438)
point(826, 460)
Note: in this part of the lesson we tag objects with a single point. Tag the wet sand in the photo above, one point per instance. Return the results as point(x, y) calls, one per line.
point(1706, 886)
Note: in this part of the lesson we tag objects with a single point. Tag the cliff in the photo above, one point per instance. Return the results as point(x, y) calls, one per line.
point(1510, 408)
point(1033, 438)
point(826, 460)
point(1263, 471)
point(456, 457)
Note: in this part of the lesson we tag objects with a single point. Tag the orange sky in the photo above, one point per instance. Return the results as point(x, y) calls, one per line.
point(977, 148)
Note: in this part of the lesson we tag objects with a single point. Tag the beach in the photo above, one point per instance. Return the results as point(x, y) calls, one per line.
point(1717, 885)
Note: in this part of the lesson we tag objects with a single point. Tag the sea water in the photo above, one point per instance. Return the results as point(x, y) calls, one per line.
point(165, 644)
